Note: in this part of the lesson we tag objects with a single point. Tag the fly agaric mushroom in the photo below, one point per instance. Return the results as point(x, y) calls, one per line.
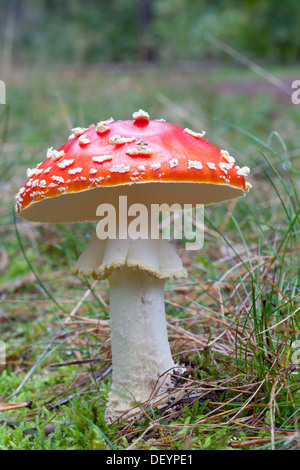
point(148, 161)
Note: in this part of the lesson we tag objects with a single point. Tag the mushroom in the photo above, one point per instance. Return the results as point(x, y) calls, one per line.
point(147, 161)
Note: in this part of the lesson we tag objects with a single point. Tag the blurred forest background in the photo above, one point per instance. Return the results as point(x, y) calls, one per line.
point(94, 31)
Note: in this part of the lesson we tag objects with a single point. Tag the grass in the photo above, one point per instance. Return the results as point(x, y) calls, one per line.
point(234, 321)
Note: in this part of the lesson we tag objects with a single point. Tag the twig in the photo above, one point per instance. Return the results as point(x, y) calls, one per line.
point(74, 363)
point(15, 406)
point(255, 442)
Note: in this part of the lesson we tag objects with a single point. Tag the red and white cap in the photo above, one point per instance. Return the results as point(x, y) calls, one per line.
point(149, 161)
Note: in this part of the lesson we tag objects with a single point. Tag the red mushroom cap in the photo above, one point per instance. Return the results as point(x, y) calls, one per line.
point(100, 163)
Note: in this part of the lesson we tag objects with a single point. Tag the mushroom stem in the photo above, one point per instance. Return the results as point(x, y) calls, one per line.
point(139, 340)
point(142, 362)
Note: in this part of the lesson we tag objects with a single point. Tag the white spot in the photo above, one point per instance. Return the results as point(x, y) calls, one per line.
point(141, 115)
point(118, 140)
point(142, 168)
point(43, 184)
point(173, 162)
point(77, 131)
point(224, 153)
point(35, 183)
point(59, 179)
point(141, 150)
point(245, 171)
point(212, 166)
point(96, 180)
point(65, 163)
point(107, 121)
point(84, 140)
point(17, 197)
point(248, 187)
point(52, 185)
point(227, 157)
point(35, 171)
point(195, 164)
point(47, 169)
point(160, 120)
point(83, 178)
point(74, 171)
point(155, 166)
point(55, 154)
point(72, 136)
point(102, 158)
point(93, 171)
point(194, 134)
point(120, 168)
point(37, 194)
point(101, 128)
point(225, 166)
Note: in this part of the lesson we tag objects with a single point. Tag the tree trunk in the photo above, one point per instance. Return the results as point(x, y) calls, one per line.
point(145, 17)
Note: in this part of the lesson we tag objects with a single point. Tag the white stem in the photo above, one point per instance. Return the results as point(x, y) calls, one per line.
point(140, 349)
point(137, 271)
